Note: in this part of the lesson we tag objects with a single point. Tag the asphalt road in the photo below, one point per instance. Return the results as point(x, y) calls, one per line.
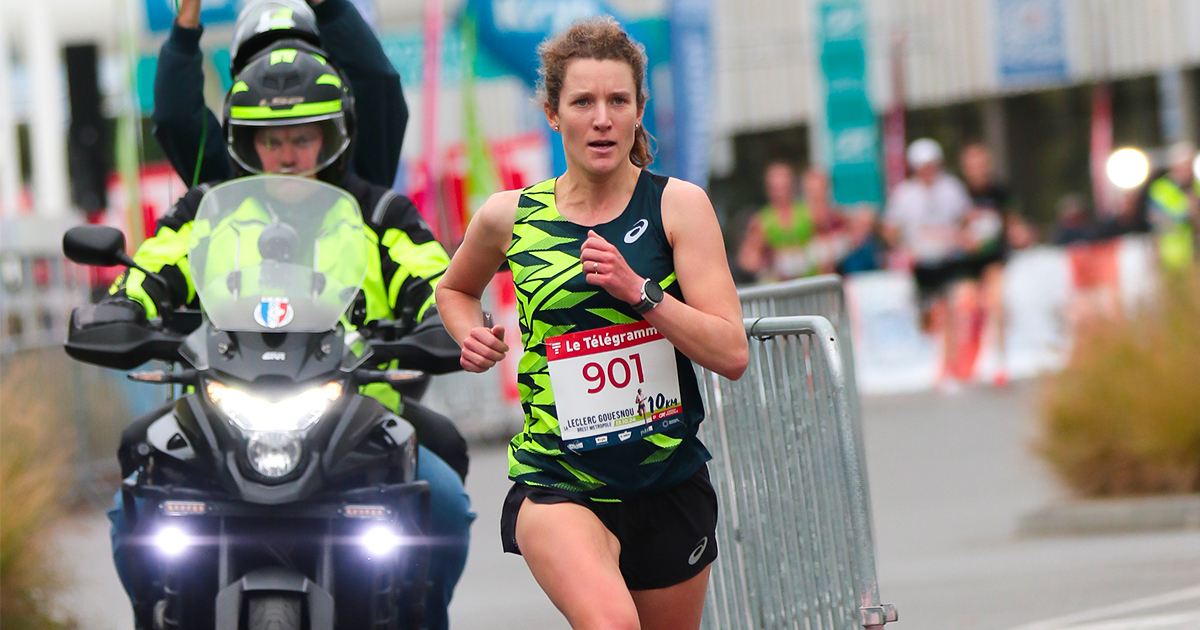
point(949, 475)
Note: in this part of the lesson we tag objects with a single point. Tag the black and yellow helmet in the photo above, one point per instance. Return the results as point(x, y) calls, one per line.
point(263, 23)
point(290, 86)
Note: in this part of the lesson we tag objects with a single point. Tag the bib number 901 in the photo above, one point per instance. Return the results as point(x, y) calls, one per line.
point(619, 373)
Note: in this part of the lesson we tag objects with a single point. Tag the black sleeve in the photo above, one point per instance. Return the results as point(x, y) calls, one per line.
point(379, 103)
point(182, 122)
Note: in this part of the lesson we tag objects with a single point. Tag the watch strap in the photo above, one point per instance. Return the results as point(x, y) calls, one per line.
point(645, 305)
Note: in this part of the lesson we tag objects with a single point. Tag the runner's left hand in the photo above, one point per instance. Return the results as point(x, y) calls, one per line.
point(606, 268)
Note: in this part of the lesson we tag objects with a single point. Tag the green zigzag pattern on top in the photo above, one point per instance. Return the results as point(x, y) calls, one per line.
point(552, 300)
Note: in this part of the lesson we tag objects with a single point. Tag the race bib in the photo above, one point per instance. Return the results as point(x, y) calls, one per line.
point(613, 385)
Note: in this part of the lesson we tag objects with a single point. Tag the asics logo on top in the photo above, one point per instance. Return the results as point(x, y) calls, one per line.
point(698, 551)
point(636, 232)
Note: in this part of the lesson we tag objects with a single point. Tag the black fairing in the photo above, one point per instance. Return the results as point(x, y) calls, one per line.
point(251, 356)
point(346, 443)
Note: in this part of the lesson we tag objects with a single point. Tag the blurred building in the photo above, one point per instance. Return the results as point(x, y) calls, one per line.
point(1019, 75)
point(1016, 74)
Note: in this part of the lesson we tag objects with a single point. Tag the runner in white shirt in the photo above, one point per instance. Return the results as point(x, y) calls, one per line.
point(925, 226)
point(925, 214)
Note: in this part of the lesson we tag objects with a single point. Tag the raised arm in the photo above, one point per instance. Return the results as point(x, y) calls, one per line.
point(458, 295)
point(187, 131)
point(378, 98)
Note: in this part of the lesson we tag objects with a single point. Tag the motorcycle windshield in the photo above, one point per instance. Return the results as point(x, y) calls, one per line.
point(277, 253)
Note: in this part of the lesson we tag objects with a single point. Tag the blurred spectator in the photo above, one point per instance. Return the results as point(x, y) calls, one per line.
point(868, 252)
point(1174, 208)
point(1073, 224)
point(792, 238)
point(843, 238)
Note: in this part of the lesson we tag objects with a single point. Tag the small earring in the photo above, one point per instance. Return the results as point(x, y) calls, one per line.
point(556, 127)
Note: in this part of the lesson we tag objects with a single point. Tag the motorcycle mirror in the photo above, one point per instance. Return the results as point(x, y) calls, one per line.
point(95, 245)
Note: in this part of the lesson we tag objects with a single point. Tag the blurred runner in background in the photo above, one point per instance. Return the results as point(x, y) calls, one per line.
point(993, 227)
point(792, 238)
point(773, 246)
point(925, 226)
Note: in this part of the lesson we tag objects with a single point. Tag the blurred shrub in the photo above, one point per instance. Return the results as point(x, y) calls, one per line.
point(32, 480)
point(1123, 417)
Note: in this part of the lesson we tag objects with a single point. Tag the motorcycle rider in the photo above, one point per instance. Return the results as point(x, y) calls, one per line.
point(290, 112)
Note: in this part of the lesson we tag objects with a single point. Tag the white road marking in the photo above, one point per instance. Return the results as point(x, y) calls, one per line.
point(1177, 621)
point(1070, 621)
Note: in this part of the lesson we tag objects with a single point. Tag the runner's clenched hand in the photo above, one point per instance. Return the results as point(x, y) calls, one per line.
point(606, 268)
point(484, 348)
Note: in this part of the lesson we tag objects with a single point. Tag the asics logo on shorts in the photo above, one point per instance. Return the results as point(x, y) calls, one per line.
point(638, 229)
point(698, 551)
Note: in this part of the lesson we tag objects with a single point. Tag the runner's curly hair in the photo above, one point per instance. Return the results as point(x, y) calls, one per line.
point(600, 38)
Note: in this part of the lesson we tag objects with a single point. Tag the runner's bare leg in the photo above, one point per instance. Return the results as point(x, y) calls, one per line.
point(575, 559)
point(675, 607)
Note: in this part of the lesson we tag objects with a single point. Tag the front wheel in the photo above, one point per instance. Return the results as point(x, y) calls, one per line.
point(274, 612)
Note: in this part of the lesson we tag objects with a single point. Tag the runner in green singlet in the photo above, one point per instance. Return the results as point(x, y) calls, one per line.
point(775, 246)
point(622, 283)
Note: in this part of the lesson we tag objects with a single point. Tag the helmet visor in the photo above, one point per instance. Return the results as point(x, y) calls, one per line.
point(288, 146)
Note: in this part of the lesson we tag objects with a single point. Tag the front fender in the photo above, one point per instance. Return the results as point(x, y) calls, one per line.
point(319, 601)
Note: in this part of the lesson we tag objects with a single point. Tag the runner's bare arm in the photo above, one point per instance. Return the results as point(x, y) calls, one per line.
point(708, 327)
point(459, 292)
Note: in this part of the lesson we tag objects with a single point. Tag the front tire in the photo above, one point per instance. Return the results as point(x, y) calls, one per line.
point(274, 612)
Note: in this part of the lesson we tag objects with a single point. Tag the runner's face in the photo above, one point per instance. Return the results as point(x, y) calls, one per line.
point(289, 150)
point(928, 172)
point(597, 114)
point(976, 166)
point(816, 187)
point(779, 185)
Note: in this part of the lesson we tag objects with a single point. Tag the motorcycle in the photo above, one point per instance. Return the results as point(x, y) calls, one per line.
point(272, 493)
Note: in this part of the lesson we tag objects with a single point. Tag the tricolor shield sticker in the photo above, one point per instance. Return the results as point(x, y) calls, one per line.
point(273, 312)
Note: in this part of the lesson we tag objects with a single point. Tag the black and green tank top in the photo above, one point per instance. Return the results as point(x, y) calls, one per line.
point(554, 298)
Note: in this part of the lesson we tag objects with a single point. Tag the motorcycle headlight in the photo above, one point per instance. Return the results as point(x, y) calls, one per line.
point(274, 453)
point(254, 415)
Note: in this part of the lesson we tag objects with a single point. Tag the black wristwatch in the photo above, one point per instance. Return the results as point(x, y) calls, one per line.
point(652, 295)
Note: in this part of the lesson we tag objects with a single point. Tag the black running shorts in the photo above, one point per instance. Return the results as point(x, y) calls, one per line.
point(666, 538)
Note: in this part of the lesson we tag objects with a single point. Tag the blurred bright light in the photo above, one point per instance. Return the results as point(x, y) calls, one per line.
point(1128, 168)
point(379, 541)
point(1196, 168)
point(171, 540)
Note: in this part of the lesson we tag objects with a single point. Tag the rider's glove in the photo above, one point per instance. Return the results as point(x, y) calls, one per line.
point(109, 310)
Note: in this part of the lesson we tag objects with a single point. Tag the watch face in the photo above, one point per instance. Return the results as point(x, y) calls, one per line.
point(654, 293)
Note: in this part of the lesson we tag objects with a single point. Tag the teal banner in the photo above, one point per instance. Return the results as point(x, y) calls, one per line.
point(852, 151)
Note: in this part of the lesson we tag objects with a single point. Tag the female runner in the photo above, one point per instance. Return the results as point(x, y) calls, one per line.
point(622, 283)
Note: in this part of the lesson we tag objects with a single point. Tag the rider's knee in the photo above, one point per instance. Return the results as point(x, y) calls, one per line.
point(449, 504)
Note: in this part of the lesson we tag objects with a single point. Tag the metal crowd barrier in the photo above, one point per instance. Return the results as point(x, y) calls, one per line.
point(795, 523)
point(819, 295)
point(39, 291)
